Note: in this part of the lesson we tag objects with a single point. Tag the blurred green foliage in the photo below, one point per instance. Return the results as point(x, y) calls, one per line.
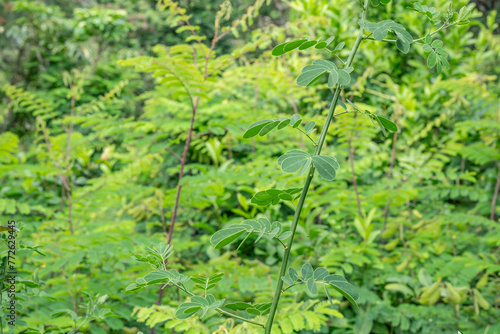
point(89, 144)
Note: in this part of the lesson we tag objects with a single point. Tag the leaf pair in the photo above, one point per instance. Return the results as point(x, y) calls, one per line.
point(158, 276)
point(262, 227)
point(274, 196)
point(207, 283)
point(301, 44)
point(382, 28)
point(312, 73)
point(375, 3)
point(262, 128)
point(255, 309)
point(196, 304)
point(297, 160)
point(321, 275)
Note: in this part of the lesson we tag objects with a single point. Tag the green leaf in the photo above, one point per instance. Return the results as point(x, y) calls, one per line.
point(293, 274)
point(439, 67)
point(260, 236)
point(374, 117)
point(307, 271)
point(158, 276)
point(255, 128)
point(238, 306)
point(403, 46)
point(431, 59)
point(340, 284)
point(309, 127)
point(293, 160)
point(333, 78)
point(307, 45)
point(312, 73)
point(279, 49)
point(284, 123)
point(344, 77)
point(427, 48)
point(339, 46)
point(342, 104)
point(311, 286)
point(293, 45)
point(199, 300)
point(287, 280)
point(321, 45)
point(389, 125)
point(402, 34)
point(204, 311)
point(268, 127)
point(428, 39)
point(441, 52)
point(211, 299)
point(309, 76)
point(295, 121)
point(385, 2)
point(437, 43)
point(380, 33)
point(226, 236)
point(186, 310)
point(320, 273)
point(285, 235)
point(252, 311)
point(326, 166)
point(263, 306)
point(329, 40)
point(444, 61)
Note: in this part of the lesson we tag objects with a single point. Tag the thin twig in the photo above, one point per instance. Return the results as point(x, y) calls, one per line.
point(183, 159)
point(495, 194)
point(73, 301)
point(173, 153)
point(60, 173)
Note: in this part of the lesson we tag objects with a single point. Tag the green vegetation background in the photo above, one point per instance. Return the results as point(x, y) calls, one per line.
point(410, 220)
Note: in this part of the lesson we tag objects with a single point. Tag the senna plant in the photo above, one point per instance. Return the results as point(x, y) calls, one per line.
point(338, 72)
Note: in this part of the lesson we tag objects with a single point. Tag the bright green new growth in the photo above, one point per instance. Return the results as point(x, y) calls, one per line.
point(305, 163)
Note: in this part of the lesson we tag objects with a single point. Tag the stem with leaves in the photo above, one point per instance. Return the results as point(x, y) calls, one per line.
point(183, 159)
point(307, 183)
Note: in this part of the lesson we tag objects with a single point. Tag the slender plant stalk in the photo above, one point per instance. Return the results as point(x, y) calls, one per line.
point(389, 177)
point(183, 159)
point(352, 149)
point(495, 194)
point(73, 299)
point(64, 178)
point(307, 183)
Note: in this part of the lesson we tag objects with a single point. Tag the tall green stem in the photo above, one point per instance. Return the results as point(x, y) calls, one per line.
point(307, 183)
